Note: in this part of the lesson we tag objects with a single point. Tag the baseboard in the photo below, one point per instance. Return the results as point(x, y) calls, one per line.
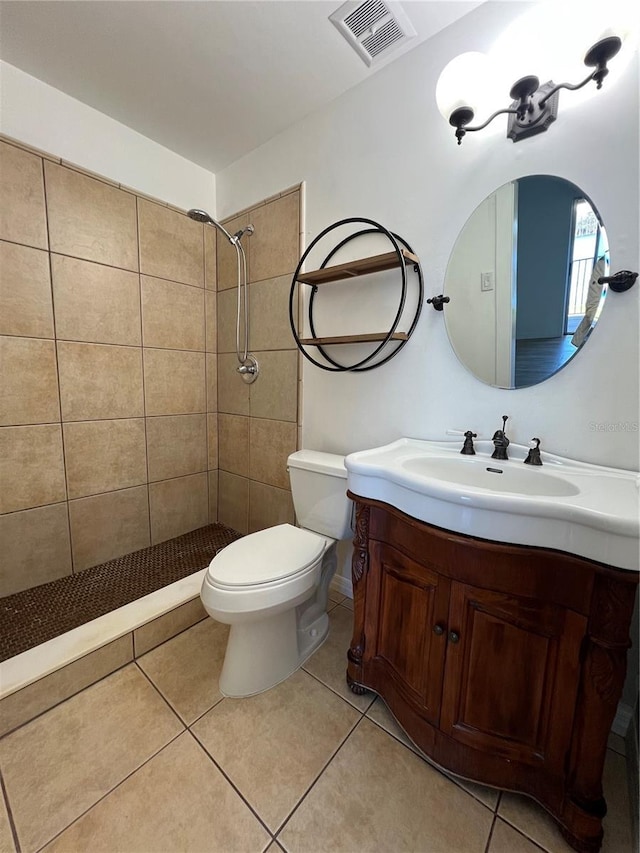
point(622, 719)
point(342, 585)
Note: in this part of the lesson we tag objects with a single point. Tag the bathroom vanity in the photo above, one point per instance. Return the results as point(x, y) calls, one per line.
point(503, 662)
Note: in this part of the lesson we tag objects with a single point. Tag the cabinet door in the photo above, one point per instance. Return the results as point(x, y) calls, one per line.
point(511, 675)
point(411, 626)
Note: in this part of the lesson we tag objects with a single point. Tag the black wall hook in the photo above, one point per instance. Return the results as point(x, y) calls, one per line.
point(438, 302)
point(620, 281)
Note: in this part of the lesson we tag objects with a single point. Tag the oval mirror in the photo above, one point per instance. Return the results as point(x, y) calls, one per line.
point(523, 281)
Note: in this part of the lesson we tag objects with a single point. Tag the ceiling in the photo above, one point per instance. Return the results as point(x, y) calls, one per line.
point(210, 80)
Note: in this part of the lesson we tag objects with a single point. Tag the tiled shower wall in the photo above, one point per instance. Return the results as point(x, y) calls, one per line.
point(108, 371)
point(257, 423)
point(107, 341)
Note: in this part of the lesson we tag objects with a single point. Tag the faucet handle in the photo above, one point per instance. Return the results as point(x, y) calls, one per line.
point(467, 447)
point(505, 418)
point(533, 457)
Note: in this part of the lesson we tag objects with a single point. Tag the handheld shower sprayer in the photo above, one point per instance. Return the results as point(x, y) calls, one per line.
point(247, 364)
point(203, 216)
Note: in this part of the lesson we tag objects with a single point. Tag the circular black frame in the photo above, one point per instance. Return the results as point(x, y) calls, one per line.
point(395, 241)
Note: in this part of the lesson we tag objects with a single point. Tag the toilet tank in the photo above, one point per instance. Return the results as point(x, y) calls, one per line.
point(319, 490)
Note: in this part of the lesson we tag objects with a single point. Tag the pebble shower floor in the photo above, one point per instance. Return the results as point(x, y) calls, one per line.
point(36, 615)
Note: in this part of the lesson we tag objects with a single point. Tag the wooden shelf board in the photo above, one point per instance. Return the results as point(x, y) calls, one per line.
point(353, 339)
point(363, 266)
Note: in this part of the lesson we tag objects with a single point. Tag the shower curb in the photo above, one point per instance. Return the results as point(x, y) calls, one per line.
point(22, 697)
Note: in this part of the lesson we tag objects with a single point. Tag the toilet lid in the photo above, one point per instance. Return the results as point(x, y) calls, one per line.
point(268, 555)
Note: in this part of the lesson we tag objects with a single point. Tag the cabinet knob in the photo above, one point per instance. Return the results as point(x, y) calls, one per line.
point(438, 630)
point(454, 636)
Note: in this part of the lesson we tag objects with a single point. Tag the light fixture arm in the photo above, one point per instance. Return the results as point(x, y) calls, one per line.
point(598, 55)
point(522, 92)
point(535, 107)
point(571, 86)
point(462, 127)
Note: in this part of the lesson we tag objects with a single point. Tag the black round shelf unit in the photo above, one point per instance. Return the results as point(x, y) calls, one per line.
point(401, 260)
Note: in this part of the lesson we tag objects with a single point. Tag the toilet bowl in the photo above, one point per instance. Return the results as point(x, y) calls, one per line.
point(272, 586)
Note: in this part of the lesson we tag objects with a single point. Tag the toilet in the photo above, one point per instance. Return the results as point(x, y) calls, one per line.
point(272, 586)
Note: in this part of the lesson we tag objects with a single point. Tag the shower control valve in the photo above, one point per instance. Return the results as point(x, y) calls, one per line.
point(249, 369)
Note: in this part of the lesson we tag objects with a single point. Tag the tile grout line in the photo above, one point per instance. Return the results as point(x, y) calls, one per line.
point(249, 293)
point(517, 829)
point(333, 690)
point(144, 394)
point(101, 420)
point(218, 369)
point(72, 695)
point(137, 486)
point(522, 831)
point(412, 748)
point(204, 713)
point(5, 796)
point(37, 506)
point(160, 693)
point(136, 657)
point(442, 771)
point(490, 836)
point(24, 245)
point(110, 791)
point(206, 365)
point(122, 346)
point(101, 263)
point(231, 782)
point(28, 338)
point(317, 778)
point(109, 491)
point(55, 347)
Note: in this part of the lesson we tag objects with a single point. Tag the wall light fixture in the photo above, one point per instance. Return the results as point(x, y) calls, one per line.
point(534, 106)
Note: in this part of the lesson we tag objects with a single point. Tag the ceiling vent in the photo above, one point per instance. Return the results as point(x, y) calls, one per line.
point(374, 29)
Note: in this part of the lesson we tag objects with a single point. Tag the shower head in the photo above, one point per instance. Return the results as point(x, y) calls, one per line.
point(199, 215)
point(203, 216)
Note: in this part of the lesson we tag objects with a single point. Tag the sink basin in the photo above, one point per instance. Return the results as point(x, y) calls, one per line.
point(489, 474)
point(583, 509)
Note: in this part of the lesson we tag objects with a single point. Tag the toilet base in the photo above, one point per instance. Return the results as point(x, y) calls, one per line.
point(263, 653)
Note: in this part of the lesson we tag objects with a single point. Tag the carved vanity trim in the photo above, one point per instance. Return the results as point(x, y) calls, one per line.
point(443, 620)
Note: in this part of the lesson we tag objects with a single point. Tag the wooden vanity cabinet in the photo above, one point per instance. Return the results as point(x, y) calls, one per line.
point(503, 663)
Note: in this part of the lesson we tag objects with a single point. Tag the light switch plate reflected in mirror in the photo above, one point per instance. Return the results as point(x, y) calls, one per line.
point(486, 281)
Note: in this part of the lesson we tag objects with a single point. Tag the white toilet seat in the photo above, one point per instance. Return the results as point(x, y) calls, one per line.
point(266, 558)
point(275, 569)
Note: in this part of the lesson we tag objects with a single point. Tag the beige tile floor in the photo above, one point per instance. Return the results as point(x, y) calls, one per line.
point(153, 759)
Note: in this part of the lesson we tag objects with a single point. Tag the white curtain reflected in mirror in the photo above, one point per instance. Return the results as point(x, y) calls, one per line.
point(523, 281)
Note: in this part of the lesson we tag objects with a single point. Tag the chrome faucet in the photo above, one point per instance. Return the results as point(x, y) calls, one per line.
point(500, 441)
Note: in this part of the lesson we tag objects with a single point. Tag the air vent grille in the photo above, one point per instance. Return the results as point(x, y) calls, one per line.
point(365, 16)
point(373, 28)
point(383, 38)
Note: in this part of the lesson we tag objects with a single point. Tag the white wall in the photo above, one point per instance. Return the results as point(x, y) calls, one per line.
point(383, 151)
point(41, 116)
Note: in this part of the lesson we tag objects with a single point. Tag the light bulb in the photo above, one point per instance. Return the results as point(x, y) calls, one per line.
point(467, 81)
point(551, 39)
